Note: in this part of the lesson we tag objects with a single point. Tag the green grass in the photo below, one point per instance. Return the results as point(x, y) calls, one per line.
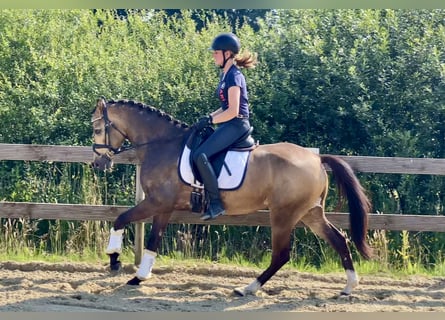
point(177, 258)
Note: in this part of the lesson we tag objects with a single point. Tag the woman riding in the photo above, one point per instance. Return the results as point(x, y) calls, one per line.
point(232, 117)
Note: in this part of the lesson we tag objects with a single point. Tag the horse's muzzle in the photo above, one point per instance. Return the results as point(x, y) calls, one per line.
point(102, 162)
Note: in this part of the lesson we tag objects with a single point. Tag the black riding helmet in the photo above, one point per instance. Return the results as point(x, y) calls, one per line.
point(226, 42)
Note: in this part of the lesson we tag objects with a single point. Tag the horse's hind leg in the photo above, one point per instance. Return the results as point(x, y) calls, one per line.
point(281, 231)
point(148, 259)
point(317, 222)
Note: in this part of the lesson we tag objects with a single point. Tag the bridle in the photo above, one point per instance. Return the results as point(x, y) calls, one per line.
point(107, 145)
point(108, 125)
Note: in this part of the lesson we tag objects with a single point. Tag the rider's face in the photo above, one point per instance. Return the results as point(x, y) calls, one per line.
point(218, 57)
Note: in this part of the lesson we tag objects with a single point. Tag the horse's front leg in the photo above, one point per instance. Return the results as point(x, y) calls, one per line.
point(114, 249)
point(148, 259)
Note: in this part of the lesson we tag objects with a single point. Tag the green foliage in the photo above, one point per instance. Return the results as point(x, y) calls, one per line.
point(354, 82)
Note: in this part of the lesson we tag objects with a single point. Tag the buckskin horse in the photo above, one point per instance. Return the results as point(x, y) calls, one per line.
point(288, 180)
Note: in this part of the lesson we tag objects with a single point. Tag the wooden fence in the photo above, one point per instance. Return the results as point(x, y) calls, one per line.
point(79, 154)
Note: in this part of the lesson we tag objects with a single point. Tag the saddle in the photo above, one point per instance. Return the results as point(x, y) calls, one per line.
point(197, 137)
point(244, 143)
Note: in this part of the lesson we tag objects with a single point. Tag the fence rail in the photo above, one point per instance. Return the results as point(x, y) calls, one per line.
point(31, 210)
point(29, 152)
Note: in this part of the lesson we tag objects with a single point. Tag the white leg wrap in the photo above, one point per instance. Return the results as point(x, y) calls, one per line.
point(147, 262)
point(351, 283)
point(115, 242)
point(253, 287)
point(250, 289)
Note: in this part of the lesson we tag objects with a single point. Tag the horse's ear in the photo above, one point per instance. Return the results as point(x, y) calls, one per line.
point(101, 103)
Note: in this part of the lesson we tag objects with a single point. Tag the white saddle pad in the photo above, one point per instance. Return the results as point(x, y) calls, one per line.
point(236, 162)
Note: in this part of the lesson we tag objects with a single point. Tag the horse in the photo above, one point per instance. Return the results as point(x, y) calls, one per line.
point(287, 179)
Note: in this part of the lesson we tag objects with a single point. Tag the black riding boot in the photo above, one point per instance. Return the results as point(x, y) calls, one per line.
point(210, 182)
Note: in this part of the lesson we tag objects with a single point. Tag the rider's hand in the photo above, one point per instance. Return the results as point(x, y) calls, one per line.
point(203, 122)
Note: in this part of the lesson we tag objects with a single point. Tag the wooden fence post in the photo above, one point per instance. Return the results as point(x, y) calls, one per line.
point(139, 234)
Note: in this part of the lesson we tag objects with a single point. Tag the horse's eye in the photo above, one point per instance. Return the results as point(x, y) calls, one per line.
point(97, 131)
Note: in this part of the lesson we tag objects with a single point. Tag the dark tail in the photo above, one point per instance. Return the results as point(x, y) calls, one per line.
point(359, 204)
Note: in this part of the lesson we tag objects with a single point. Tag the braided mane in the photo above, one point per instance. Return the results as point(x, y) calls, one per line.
point(147, 108)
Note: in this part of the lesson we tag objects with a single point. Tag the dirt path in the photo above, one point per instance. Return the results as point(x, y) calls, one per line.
point(81, 287)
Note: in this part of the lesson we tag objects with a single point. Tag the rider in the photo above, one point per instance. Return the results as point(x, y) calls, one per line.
point(232, 117)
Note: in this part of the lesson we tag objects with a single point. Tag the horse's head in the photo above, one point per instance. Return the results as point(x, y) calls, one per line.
point(108, 138)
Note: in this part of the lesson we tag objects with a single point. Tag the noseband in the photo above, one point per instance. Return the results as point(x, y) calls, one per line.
point(108, 125)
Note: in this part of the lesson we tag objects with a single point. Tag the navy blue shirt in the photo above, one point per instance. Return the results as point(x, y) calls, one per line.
point(233, 77)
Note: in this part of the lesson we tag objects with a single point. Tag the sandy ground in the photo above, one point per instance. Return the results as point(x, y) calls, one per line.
point(82, 287)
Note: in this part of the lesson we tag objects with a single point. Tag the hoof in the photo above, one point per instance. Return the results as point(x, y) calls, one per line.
point(116, 266)
point(134, 282)
point(345, 296)
point(239, 292)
